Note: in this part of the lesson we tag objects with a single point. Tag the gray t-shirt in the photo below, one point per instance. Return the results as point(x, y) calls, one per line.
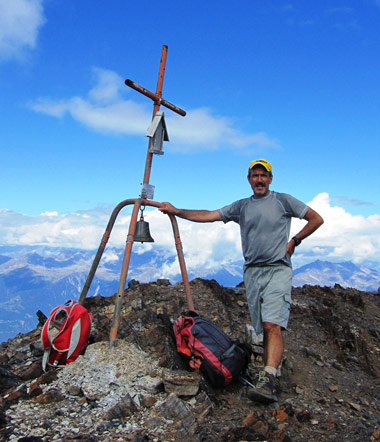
point(264, 225)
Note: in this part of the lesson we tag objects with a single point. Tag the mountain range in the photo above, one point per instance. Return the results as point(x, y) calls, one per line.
point(40, 278)
point(346, 274)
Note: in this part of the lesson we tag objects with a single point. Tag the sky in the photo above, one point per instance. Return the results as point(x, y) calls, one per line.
point(295, 82)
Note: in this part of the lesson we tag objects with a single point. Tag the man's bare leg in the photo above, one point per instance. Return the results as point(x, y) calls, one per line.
point(273, 344)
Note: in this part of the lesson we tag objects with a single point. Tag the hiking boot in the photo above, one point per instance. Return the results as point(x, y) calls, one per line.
point(266, 390)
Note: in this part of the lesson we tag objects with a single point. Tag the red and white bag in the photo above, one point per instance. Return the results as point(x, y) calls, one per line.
point(65, 334)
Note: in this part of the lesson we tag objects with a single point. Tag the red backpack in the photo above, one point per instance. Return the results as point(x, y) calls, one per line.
point(65, 334)
point(207, 348)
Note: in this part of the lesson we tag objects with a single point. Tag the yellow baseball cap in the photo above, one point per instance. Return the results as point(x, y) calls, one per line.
point(267, 166)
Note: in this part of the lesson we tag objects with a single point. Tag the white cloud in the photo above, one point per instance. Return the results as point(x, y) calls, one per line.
point(342, 237)
point(201, 128)
point(20, 21)
point(54, 213)
point(105, 110)
point(74, 229)
point(108, 84)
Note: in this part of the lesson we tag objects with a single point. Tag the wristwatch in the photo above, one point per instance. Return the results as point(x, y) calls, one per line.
point(297, 241)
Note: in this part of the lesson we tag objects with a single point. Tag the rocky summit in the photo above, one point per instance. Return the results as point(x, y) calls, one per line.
point(140, 389)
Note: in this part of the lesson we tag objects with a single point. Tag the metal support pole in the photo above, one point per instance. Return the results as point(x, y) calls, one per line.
point(101, 248)
point(181, 261)
point(124, 272)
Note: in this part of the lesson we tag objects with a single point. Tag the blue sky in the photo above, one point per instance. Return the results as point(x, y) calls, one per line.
point(295, 82)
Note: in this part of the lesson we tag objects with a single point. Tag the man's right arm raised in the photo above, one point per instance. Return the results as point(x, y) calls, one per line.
point(199, 216)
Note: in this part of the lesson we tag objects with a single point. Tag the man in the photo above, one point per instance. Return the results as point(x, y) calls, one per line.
point(264, 221)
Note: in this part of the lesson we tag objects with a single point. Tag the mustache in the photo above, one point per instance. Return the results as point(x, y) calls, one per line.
point(259, 184)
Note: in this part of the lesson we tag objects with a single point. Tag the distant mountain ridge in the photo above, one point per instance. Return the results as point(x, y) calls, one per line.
point(40, 278)
point(347, 274)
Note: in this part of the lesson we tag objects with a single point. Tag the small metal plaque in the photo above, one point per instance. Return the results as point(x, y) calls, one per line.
point(147, 191)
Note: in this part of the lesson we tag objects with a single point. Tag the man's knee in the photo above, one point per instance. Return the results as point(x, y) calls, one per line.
point(269, 327)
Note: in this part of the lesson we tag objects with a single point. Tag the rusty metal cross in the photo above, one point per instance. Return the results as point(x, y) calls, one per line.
point(158, 100)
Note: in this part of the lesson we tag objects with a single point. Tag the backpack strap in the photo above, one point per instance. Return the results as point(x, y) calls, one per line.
point(45, 359)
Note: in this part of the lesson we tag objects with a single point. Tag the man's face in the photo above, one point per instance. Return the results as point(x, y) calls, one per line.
point(259, 179)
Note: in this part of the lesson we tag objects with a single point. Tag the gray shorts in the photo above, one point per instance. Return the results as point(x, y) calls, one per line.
point(269, 297)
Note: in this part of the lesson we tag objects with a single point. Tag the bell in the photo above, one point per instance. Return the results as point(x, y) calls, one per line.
point(142, 233)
